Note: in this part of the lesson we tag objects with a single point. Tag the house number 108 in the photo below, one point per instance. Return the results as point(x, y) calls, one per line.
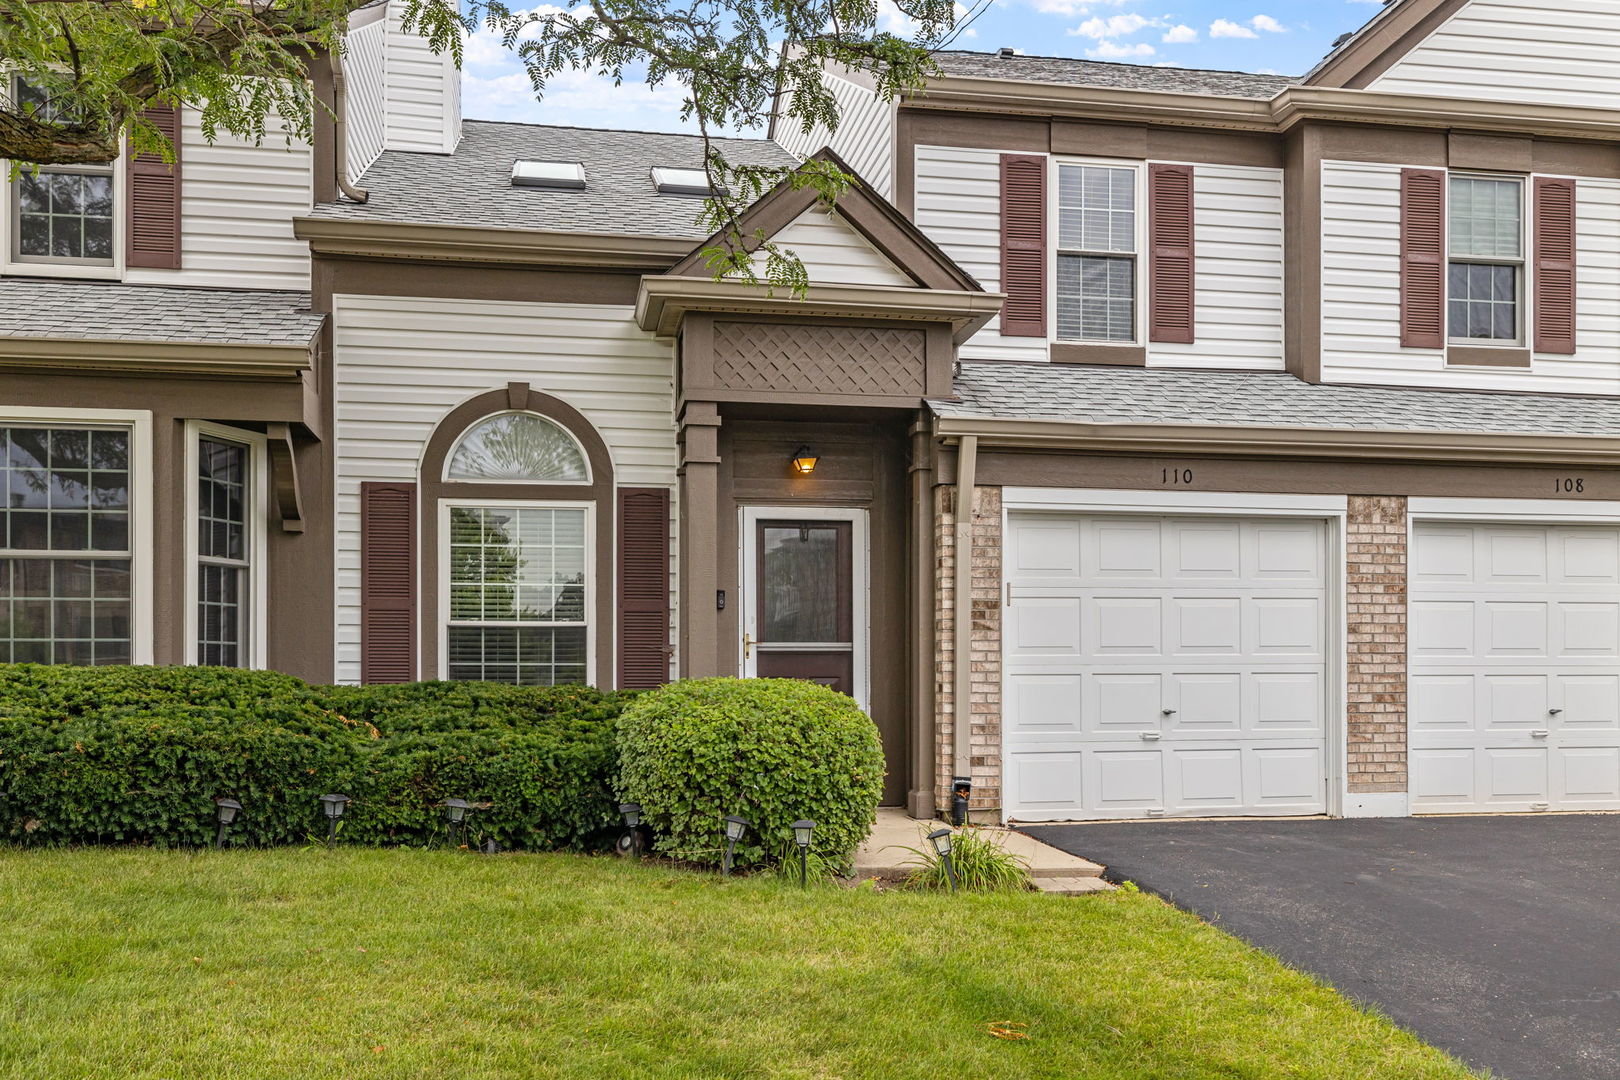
point(1570, 485)
point(1178, 477)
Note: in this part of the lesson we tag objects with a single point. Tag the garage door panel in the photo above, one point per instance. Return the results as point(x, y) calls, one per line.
point(1220, 620)
point(1044, 549)
point(1535, 672)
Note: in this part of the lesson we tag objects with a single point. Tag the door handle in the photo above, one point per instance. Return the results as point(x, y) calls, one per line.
point(1152, 736)
point(1167, 712)
point(1540, 733)
point(748, 645)
point(1554, 712)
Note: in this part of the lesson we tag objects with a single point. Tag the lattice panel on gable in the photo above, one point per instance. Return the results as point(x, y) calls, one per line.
point(809, 359)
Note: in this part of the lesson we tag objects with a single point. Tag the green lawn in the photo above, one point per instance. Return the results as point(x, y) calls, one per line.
point(309, 965)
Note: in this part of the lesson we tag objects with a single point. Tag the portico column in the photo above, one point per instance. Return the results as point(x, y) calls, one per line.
point(701, 648)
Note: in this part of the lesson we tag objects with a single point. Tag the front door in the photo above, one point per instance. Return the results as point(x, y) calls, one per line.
point(804, 593)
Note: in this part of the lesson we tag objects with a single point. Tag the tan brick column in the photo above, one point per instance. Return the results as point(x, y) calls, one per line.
point(986, 646)
point(1375, 559)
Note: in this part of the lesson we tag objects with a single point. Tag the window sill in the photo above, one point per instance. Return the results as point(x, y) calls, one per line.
point(1487, 356)
point(78, 271)
point(1076, 352)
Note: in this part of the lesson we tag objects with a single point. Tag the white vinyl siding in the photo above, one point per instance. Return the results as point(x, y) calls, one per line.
point(864, 139)
point(1361, 293)
point(958, 206)
point(404, 362)
point(365, 69)
point(237, 202)
point(1238, 230)
point(424, 92)
point(834, 253)
point(1556, 52)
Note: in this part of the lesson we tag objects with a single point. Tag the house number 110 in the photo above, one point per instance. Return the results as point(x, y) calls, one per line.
point(1177, 477)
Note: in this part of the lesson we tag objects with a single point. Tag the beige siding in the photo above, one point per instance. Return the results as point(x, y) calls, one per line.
point(365, 68)
point(237, 205)
point(834, 253)
point(403, 363)
point(1361, 294)
point(864, 139)
point(1238, 223)
point(424, 92)
point(958, 200)
point(1557, 52)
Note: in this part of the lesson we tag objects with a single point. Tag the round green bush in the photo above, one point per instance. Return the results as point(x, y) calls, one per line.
point(770, 750)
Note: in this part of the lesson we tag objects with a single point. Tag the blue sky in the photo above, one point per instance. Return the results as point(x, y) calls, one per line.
point(1282, 36)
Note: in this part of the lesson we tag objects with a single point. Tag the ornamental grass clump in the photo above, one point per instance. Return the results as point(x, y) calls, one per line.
point(981, 863)
point(769, 750)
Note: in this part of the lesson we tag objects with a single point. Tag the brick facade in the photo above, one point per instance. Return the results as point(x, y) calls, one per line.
point(986, 655)
point(1375, 555)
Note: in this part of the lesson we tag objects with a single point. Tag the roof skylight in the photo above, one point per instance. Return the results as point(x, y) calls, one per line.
point(563, 175)
point(670, 181)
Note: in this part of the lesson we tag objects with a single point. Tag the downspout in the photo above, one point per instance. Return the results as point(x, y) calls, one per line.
point(967, 462)
point(340, 130)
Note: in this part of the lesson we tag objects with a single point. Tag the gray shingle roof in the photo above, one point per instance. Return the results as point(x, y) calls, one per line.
point(1072, 72)
point(90, 310)
point(473, 186)
point(1108, 395)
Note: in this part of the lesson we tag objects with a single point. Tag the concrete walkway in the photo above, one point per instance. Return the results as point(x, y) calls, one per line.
point(884, 854)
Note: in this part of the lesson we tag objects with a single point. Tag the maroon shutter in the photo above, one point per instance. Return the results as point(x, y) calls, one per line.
point(643, 587)
point(1423, 259)
point(152, 221)
point(1170, 225)
point(387, 582)
point(1555, 265)
point(1023, 245)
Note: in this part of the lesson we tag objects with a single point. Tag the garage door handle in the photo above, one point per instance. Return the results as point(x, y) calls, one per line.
point(1168, 712)
point(1152, 736)
point(1554, 712)
point(1540, 733)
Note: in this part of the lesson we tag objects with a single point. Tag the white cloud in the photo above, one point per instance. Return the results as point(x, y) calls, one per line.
point(1225, 28)
point(1109, 50)
point(1114, 26)
point(1267, 24)
point(1180, 35)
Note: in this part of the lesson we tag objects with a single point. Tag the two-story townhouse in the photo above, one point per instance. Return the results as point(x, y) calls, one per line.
point(1287, 408)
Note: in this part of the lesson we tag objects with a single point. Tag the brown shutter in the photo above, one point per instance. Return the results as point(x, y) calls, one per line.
point(1172, 305)
point(152, 220)
point(387, 582)
point(1023, 245)
point(1555, 265)
point(643, 587)
point(1423, 259)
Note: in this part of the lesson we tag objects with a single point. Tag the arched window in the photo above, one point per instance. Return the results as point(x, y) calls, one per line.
point(518, 447)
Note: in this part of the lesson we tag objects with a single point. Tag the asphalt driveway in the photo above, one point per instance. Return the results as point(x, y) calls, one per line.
point(1496, 938)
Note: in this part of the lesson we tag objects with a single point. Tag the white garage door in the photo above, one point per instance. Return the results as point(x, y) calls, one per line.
point(1515, 667)
point(1164, 666)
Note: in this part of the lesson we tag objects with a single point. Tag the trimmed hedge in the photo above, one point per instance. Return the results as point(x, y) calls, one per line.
point(770, 750)
point(137, 755)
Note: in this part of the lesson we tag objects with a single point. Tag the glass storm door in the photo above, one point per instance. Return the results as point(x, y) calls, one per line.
point(802, 619)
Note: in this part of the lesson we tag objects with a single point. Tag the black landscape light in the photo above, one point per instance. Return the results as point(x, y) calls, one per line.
point(735, 827)
point(455, 813)
point(941, 839)
point(632, 843)
point(801, 836)
point(225, 810)
point(333, 806)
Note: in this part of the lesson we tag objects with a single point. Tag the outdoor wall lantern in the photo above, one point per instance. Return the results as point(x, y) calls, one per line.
point(735, 827)
point(632, 843)
point(804, 461)
point(941, 839)
point(226, 810)
point(455, 812)
point(333, 805)
point(801, 836)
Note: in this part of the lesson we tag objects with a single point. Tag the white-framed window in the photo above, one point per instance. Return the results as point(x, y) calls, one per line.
point(1486, 280)
point(518, 447)
point(226, 538)
point(517, 589)
point(75, 557)
point(1099, 235)
point(61, 214)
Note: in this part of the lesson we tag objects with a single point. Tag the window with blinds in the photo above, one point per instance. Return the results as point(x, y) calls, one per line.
point(1097, 251)
point(1486, 271)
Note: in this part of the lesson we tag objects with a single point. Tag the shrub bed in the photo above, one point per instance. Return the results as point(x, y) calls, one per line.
point(96, 755)
point(770, 750)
